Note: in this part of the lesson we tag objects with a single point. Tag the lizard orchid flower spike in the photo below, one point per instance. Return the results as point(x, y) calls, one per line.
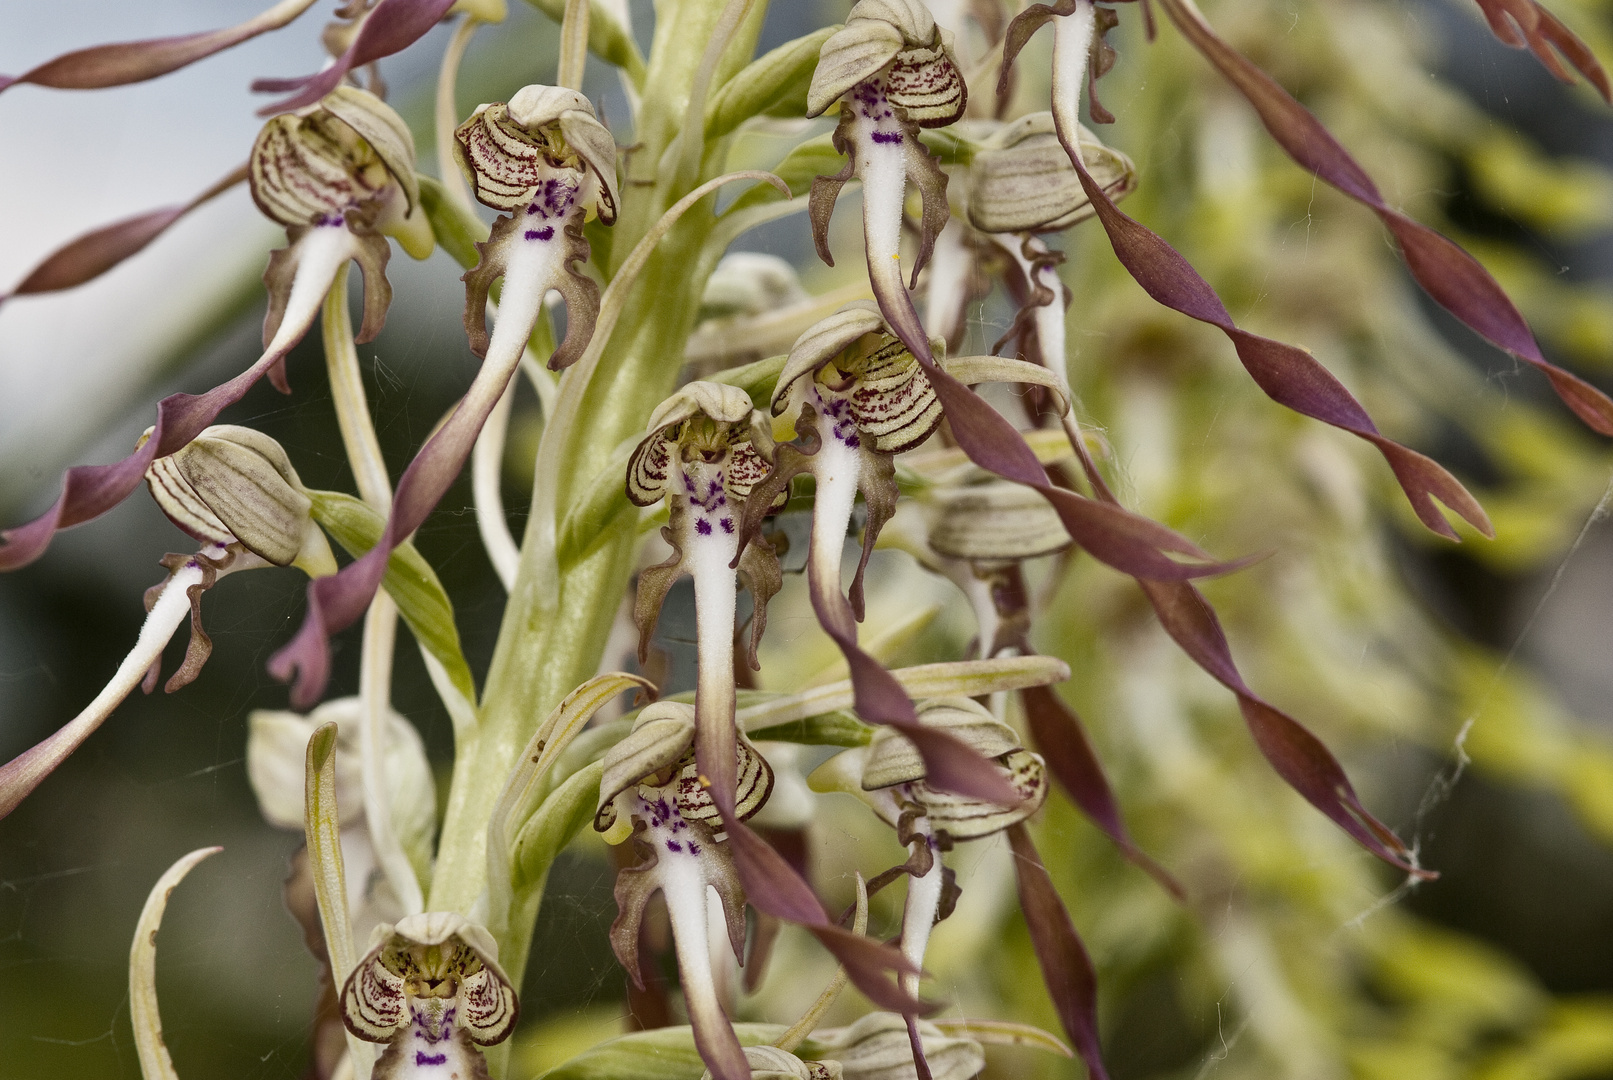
point(892, 71)
point(431, 989)
point(233, 490)
point(706, 449)
point(653, 790)
point(890, 776)
point(338, 175)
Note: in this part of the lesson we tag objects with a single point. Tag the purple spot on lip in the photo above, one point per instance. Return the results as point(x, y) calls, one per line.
point(545, 233)
point(532, 234)
point(694, 848)
point(728, 525)
point(703, 527)
point(887, 137)
point(423, 1058)
point(673, 845)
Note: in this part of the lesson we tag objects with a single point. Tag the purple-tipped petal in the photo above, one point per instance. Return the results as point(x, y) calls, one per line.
point(1450, 275)
point(1288, 375)
point(1524, 24)
point(98, 251)
point(1298, 756)
point(88, 491)
point(773, 887)
point(1062, 740)
point(1066, 967)
point(390, 27)
point(338, 601)
point(136, 61)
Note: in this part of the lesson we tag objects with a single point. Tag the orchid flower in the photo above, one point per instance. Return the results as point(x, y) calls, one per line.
point(548, 161)
point(892, 71)
point(889, 775)
point(234, 491)
point(705, 451)
point(338, 175)
point(654, 791)
point(877, 1047)
point(431, 989)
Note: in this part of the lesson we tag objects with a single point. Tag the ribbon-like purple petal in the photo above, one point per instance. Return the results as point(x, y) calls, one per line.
point(1524, 24)
point(1066, 967)
point(93, 254)
point(390, 27)
point(136, 61)
point(1450, 275)
point(1062, 740)
point(773, 887)
point(1299, 757)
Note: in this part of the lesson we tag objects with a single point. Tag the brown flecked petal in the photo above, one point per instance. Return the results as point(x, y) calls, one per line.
point(821, 206)
point(821, 341)
point(855, 52)
point(1025, 183)
point(926, 83)
point(1021, 30)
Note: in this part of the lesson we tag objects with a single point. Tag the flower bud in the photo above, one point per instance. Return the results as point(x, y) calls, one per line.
point(276, 752)
point(349, 153)
point(233, 484)
point(899, 39)
point(996, 522)
point(1023, 181)
point(877, 1048)
point(519, 153)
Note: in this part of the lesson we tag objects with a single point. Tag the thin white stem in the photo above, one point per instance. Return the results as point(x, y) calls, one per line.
point(375, 684)
point(447, 111)
point(949, 275)
point(1072, 44)
point(352, 408)
point(381, 621)
point(486, 465)
point(918, 916)
point(27, 770)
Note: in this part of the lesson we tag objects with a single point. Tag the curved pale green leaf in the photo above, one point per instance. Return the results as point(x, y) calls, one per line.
point(410, 580)
point(558, 819)
point(799, 167)
point(769, 82)
point(455, 227)
point(961, 678)
point(662, 1054)
point(155, 1064)
point(597, 511)
point(607, 38)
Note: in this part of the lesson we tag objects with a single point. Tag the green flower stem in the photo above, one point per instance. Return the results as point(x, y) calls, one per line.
point(381, 622)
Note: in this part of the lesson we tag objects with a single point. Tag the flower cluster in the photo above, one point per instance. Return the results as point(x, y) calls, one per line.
point(869, 405)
